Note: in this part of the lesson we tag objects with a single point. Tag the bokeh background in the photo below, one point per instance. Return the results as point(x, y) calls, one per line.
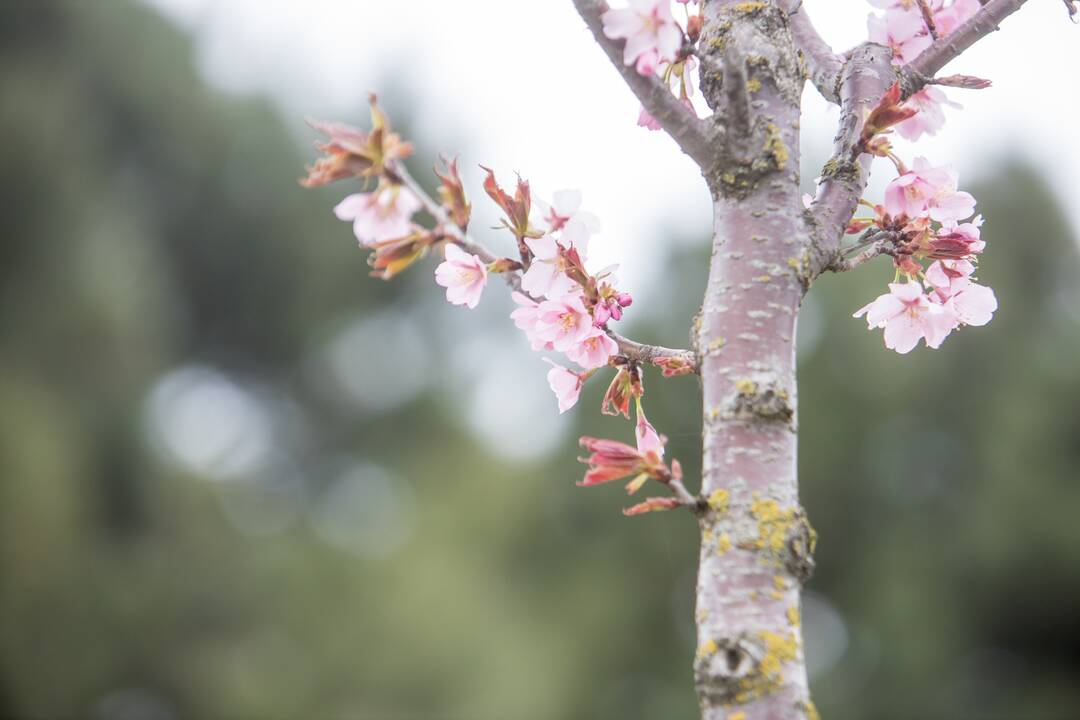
point(240, 479)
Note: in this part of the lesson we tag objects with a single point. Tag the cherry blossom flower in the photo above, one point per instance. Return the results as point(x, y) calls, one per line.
point(463, 275)
point(610, 306)
point(902, 30)
point(649, 442)
point(525, 318)
point(928, 191)
point(565, 216)
point(546, 275)
point(930, 118)
point(908, 316)
point(647, 63)
point(612, 460)
point(957, 241)
point(380, 215)
point(647, 26)
point(971, 303)
point(594, 350)
point(646, 120)
point(942, 274)
point(566, 384)
point(563, 322)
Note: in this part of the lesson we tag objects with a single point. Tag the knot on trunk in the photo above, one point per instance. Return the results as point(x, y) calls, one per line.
point(754, 401)
point(798, 553)
point(739, 670)
point(785, 537)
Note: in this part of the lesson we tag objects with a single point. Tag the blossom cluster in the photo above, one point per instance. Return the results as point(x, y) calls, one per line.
point(562, 307)
point(905, 29)
point(925, 221)
point(926, 218)
point(658, 45)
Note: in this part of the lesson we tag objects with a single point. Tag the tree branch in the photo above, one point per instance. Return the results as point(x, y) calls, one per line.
point(825, 66)
point(916, 74)
point(693, 135)
point(867, 74)
point(631, 350)
point(880, 242)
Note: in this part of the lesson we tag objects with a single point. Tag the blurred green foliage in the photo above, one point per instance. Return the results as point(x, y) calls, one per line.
point(380, 561)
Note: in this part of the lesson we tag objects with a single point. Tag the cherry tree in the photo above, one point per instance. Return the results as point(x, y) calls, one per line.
point(724, 79)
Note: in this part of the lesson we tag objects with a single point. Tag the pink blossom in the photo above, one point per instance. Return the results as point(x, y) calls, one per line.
point(928, 191)
point(566, 384)
point(647, 26)
point(565, 216)
point(563, 322)
point(463, 275)
point(971, 303)
point(931, 116)
point(381, 215)
point(649, 442)
point(647, 62)
point(610, 307)
point(957, 241)
point(944, 273)
point(546, 275)
point(902, 30)
point(611, 460)
point(526, 317)
point(908, 316)
point(909, 195)
point(955, 15)
point(594, 350)
point(646, 120)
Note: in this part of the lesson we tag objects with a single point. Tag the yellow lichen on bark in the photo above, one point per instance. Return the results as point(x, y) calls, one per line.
point(718, 501)
point(723, 544)
point(775, 147)
point(774, 524)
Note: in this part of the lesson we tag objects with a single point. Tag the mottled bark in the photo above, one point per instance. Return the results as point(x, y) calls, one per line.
point(756, 542)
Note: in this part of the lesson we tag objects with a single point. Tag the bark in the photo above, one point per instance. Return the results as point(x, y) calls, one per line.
point(756, 543)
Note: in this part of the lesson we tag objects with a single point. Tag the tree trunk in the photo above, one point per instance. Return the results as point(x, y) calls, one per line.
point(756, 543)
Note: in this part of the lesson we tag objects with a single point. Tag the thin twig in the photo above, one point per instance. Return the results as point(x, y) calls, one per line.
point(928, 18)
point(630, 349)
point(684, 496)
point(825, 66)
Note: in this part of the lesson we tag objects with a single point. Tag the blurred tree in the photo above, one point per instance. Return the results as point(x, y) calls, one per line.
point(351, 550)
